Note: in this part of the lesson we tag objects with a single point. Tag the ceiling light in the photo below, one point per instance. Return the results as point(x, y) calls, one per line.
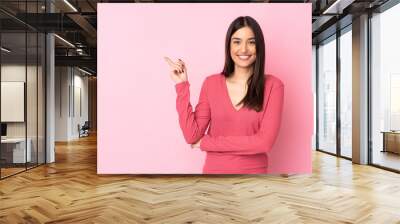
point(5, 50)
point(84, 71)
point(64, 40)
point(70, 5)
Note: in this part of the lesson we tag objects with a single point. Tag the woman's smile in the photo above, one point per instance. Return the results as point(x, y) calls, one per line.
point(244, 57)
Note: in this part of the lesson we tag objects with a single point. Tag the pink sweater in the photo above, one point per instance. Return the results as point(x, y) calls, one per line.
point(237, 141)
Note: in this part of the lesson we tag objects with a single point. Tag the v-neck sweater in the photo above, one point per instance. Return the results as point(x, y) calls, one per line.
point(237, 140)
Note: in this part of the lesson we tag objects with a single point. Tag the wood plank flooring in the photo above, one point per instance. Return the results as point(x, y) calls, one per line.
point(70, 191)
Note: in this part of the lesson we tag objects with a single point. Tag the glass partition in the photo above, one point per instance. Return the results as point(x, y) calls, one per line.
point(22, 77)
point(327, 95)
point(13, 109)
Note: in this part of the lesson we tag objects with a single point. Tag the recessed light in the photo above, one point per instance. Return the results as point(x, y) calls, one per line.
point(5, 50)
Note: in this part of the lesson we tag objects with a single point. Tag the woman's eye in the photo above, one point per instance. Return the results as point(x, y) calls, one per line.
point(236, 42)
point(252, 42)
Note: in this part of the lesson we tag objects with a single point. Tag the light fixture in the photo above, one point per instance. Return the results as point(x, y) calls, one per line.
point(5, 50)
point(70, 5)
point(337, 7)
point(64, 40)
point(84, 71)
point(79, 51)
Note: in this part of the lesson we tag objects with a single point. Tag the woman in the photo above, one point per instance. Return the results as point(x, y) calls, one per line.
point(241, 106)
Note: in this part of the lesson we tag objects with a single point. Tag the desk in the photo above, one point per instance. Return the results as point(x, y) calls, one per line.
point(16, 151)
point(391, 141)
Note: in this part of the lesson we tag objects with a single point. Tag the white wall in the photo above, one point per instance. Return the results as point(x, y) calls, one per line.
point(71, 93)
point(16, 73)
point(62, 81)
point(81, 102)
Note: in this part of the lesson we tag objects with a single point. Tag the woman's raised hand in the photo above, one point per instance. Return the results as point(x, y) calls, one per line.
point(178, 70)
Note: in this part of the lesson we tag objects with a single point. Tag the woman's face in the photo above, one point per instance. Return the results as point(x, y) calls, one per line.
point(243, 47)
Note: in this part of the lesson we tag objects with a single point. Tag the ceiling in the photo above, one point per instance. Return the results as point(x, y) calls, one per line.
point(76, 22)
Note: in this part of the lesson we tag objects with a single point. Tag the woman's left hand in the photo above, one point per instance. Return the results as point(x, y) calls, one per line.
point(196, 145)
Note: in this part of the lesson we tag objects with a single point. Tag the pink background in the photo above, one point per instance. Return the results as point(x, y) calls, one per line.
point(138, 129)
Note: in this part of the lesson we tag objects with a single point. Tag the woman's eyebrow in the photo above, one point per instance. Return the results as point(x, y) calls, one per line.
point(237, 38)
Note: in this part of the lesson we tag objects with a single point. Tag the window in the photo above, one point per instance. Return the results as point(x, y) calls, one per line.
point(327, 95)
point(385, 88)
point(346, 74)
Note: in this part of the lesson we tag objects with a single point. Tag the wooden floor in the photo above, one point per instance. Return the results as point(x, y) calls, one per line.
point(387, 159)
point(5, 172)
point(70, 191)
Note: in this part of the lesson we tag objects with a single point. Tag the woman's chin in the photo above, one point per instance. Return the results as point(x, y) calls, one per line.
point(244, 65)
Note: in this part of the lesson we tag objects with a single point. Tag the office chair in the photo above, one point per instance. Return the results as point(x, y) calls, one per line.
point(84, 130)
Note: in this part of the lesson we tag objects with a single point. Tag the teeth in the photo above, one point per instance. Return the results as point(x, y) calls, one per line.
point(244, 57)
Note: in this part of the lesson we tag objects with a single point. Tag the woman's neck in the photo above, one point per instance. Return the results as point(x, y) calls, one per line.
point(241, 74)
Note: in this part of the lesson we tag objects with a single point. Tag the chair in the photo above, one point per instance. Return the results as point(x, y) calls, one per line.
point(84, 130)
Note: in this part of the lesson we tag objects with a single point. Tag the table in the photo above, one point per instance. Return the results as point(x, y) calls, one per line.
point(15, 148)
point(391, 141)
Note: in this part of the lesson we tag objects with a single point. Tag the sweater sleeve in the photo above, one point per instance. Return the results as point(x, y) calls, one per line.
point(193, 124)
point(262, 141)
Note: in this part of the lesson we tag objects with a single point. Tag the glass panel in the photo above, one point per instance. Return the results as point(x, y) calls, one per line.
point(386, 89)
point(327, 96)
point(31, 100)
point(13, 86)
point(346, 93)
point(41, 98)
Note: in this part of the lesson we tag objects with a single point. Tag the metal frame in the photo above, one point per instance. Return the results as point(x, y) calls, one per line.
point(26, 89)
point(369, 81)
point(338, 98)
point(317, 97)
point(37, 91)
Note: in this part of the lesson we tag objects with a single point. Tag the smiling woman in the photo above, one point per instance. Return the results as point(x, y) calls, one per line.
point(243, 47)
point(241, 105)
point(244, 62)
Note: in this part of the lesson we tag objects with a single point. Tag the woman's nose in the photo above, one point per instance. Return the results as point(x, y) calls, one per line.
point(243, 48)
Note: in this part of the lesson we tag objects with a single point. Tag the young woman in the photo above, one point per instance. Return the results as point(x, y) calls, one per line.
point(241, 107)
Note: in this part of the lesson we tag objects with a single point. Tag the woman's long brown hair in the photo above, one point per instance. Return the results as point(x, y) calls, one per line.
point(254, 98)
